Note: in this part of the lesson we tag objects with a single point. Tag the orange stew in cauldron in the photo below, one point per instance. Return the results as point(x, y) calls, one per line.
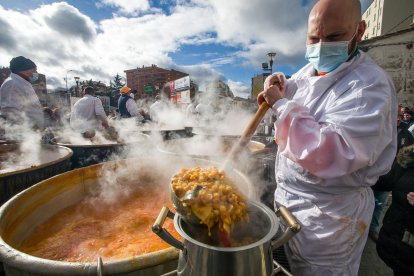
point(89, 229)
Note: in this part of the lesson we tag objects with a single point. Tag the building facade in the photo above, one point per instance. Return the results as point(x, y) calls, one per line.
point(220, 88)
point(395, 54)
point(4, 74)
point(148, 81)
point(388, 16)
point(258, 84)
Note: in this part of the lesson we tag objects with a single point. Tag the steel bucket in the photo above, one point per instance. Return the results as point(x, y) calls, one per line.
point(199, 255)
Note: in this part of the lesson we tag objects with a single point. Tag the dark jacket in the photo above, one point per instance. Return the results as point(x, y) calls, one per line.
point(404, 136)
point(122, 106)
point(399, 216)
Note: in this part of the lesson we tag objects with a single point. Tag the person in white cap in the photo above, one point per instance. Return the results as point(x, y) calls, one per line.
point(127, 107)
point(18, 100)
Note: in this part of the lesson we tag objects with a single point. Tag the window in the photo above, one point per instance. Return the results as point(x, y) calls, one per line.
point(368, 24)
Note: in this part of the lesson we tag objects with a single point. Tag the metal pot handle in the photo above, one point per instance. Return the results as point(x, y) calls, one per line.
point(292, 229)
point(158, 229)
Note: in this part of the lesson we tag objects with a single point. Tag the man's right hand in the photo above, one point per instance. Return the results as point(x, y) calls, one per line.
point(274, 89)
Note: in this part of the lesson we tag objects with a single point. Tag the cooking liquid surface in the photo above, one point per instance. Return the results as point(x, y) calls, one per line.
point(83, 232)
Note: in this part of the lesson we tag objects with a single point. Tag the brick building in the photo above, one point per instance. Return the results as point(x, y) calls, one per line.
point(148, 81)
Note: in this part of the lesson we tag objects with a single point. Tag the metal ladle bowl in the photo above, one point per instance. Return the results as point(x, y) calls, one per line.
point(180, 205)
point(180, 202)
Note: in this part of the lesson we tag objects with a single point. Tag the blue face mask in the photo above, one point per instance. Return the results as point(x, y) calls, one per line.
point(34, 77)
point(327, 56)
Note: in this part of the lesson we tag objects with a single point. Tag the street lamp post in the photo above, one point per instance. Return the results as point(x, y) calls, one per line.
point(271, 56)
point(66, 79)
point(77, 85)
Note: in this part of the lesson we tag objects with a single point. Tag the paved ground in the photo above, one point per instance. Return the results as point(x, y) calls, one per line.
point(371, 264)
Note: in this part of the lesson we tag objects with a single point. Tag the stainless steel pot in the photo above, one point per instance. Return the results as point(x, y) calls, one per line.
point(199, 255)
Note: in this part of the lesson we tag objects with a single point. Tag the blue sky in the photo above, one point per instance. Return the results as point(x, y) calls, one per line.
point(209, 39)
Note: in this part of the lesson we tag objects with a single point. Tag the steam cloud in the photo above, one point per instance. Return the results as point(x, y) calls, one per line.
point(225, 118)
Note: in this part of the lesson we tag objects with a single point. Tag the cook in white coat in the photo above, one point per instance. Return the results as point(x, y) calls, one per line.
point(127, 107)
point(336, 133)
point(88, 113)
point(158, 110)
point(18, 100)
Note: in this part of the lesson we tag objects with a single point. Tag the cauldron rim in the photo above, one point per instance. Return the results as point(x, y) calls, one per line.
point(55, 141)
point(24, 261)
point(32, 168)
point(43, 266)
point(164, 148)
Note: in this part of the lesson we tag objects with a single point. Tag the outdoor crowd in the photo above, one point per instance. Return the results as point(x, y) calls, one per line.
point(343, 144)
point(19, 103)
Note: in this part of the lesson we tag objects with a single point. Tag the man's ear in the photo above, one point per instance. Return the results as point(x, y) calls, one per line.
point(361, 30)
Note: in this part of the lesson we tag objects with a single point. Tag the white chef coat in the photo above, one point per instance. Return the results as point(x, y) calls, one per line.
point(87, 114)
point(156, 110)
point(336, 135)
point(132, 108)
point(18, 101)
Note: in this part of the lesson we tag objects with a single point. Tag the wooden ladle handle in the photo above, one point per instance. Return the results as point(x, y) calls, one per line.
point(255, 121)
point(249, 131)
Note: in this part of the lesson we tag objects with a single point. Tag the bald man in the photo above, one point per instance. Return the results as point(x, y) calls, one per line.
point(336, 133)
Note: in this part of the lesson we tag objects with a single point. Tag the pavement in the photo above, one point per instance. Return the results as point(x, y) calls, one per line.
point(371, 263)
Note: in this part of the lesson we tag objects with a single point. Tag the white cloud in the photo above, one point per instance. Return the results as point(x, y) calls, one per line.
point(59, 37)
point(127, 7)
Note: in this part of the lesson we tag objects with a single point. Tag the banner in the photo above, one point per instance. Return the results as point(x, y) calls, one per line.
point(182, 84)
point(184, 97)
point(172, 89)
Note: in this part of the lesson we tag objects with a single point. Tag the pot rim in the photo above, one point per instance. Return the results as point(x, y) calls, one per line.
point(67, 153)
point(56, 141)
point(274, 226)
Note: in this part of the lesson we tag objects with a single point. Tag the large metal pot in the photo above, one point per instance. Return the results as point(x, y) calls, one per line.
point(167, 132)
point(209, 147)
point(200, 256)
point(21, 214)
point(47, 161)
point(86, 154)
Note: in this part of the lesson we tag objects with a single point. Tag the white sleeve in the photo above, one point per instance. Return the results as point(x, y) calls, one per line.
point(350, 136)
point(132, 108)
point(99, 110)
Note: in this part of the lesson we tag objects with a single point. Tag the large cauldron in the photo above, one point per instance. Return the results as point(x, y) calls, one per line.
point(21, 173)
point(167, 132)
point(21, 214)
point(200, 255)
point(209, 147)
point(86, 154)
